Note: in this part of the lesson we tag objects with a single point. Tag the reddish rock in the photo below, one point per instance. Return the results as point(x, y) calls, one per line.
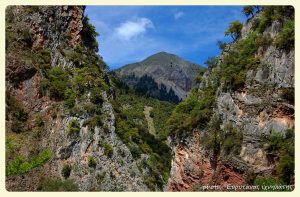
point(191, 165)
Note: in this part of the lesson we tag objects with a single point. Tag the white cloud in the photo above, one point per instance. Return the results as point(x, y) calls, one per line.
point(118, 52)
point(131, 29)
point(178, 15)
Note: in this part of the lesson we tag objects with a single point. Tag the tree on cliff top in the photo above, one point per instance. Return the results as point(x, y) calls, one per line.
point(234, 30)
point(248, 10)
point(89, 35)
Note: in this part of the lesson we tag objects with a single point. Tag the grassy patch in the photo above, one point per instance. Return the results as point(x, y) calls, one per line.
point(73, 127)
point(92, 162)
point(57, 184)
point(108, 150)
point(20, 165)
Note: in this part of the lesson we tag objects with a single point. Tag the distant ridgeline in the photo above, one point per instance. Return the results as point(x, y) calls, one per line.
point(164, 76)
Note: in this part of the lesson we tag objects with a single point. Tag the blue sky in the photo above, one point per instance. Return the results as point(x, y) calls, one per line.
point(131, 33)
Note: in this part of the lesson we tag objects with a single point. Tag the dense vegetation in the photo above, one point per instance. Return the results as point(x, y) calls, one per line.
point(242, 55)
point(131, 126)
point(281, 148)
point(194, 112)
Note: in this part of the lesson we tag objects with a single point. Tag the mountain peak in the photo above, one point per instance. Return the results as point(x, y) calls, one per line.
point(165, 71)
point(162, 56)
point(163, 53)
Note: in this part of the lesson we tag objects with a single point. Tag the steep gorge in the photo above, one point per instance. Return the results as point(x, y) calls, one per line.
point(71, 125)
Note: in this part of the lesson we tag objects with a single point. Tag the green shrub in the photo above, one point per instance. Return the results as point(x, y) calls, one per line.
point(91, 108)
point(20, 165)
point(73, 127)
point(42, 60)
point(66, 171)
point(94, 121)
point(39, 120)
point(263, 41)
point(274, 141)
point(96, 96)
point(212, 137)
point(48, 184)
point(283, 147)
point(10, 145)
point(58, 82)
point(16, 112)
point(70, 97)
point(145, 148)
point(286, 37)
point(232, 141)
point(108, 150)
point(264, 22)
point(135, 151)
point(288, 94)
point(151, 114)
point(198, 79)
point(89, 35)
point(132, 135)
point(44, 85)
point(100, 82)
point(266, 181)
point(77, 57)
point(17, 126)
point(285, 168)
point(26, 36)
point(92, 162)
point(79, 83)
point(21, 115)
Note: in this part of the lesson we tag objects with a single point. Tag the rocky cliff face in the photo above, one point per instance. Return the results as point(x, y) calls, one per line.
point(71, 117)
point(162, 75)
point(259, 109)
point(193, 166)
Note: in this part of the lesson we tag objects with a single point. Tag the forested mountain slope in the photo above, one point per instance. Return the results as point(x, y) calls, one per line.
point(164, 76)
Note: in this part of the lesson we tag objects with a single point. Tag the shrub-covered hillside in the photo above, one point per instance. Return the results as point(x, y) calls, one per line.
point(243, 108)
point(132, 128)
